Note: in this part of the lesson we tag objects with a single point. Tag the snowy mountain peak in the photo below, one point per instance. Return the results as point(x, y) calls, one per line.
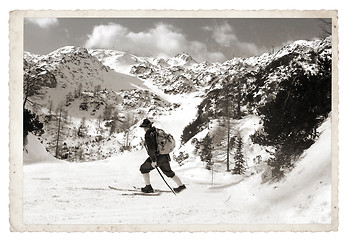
point(304, 46)
point(69, 50)
point(182, 59)
point(184, 56)
point(119, 61)
point(160, 62)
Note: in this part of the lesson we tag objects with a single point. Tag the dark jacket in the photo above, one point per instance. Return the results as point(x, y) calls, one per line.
point(151, 144)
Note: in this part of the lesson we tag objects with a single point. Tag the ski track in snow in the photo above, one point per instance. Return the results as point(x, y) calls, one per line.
point(78, 193)
point(58, 192)
point(56, 196)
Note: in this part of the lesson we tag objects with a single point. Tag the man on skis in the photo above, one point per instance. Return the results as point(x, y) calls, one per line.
point(156, 160)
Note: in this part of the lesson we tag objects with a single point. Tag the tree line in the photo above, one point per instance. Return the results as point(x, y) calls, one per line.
point(58, 124)
point(290, 117)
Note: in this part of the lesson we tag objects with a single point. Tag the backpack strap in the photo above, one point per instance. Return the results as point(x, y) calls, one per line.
point(155, 134)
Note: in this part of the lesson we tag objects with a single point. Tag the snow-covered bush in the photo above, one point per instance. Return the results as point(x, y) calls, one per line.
point(181, 157)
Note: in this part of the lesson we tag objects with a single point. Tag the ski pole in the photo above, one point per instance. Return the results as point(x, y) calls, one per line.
point(165, 180)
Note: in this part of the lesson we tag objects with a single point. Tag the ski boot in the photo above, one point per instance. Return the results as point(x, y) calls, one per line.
point(180, 188)
point(147, 189)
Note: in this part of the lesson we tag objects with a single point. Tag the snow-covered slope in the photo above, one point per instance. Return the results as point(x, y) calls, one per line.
point(79, 194)
point(304, 196)
point(119, 61)
point(35, 152)
point(183, 59)
point(123, 62)
point(74, 66)
point(78, 80)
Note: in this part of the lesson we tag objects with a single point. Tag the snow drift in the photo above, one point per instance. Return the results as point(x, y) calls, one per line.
point(34, 152)
point(303, 197)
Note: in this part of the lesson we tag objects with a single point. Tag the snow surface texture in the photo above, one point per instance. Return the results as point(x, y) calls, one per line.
point(58, 192)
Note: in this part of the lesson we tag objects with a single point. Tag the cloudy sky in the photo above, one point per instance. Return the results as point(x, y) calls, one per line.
point(204, 39)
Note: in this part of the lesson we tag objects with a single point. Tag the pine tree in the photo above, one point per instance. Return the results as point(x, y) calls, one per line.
point(107, 115)
point(60, 109)
point(238, 99)
point(239, 167)
point(50, 107)
point(205, 152)
point(60, 130)
point(99, 121)
point(82, 129)
point(129, 121)
point(114, 122)
point(291, 119)
point(230, 99)
point(80, 153)
point(31, 83)
point(31, 123)
point(228, 107)
point(193, 128)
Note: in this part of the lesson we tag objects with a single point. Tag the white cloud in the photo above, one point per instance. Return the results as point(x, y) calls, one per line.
point(225, 36)
point(44, 23)
point(201, 53)
point(163, 40)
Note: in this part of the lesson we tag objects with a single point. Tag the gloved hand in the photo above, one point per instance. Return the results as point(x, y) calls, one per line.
point(154, 164)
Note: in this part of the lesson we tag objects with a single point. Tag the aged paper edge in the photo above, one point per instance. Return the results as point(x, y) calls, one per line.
point(16, 24)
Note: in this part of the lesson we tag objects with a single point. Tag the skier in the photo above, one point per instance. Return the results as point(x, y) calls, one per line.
point(156, 160)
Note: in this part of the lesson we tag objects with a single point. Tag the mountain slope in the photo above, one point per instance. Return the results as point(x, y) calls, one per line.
point(86, 82)
point(74, 66)
point(35, 152)
point(302, 198)
point(116, 60)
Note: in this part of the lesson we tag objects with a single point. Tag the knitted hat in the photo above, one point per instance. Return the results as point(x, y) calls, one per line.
point(146, 123)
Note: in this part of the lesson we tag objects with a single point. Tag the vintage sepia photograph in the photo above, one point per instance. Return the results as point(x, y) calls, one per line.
point(173, 121)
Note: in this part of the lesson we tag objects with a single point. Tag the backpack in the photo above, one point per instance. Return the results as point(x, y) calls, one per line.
point(165, 141)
